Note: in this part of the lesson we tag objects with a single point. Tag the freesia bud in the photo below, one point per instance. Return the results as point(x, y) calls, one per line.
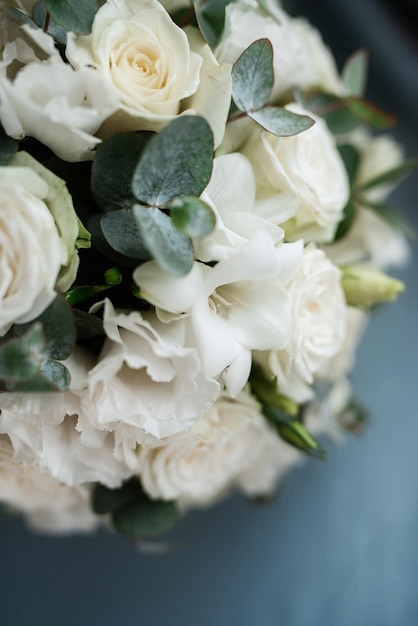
point(366, 287)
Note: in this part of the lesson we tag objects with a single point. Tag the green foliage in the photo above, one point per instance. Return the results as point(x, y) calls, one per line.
point(171, 249)
point(393, 217)
point(106, 500)
point(210, 16)
point(73, 15)
point(354, 73)
point(347, 220)
point(370, 114)
point(124, 235)
point(281, 122)
point(87, 326)
point(351, 159)
point(266, 391)
point(295, 434)
point(192, 216)
point(253, 77)
point(146, 517)
point(8, 147)
point(176, 162)
point(18, 16)
point(42, 20)
point(394, 175)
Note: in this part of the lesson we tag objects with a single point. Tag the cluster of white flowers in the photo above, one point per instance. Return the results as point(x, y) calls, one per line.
point(168, 397)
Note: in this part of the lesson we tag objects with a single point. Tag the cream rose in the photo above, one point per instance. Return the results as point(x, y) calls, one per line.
point(308, 167)
point(198, 467)
point(47, 504)
point(151, 65)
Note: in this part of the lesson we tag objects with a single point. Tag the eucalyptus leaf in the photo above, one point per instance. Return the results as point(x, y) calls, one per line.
point(176, 162)
point(146, 517)
point(354, 73)
point(192, 216)
point(335, 111)
point(394, 175)
point(121, 231)
point(281, 122)
point(18, 16)
point(113, 167)
point(20, 357)
point(87, 325)
point(73, 15)
point(56, 373)
point(370, 114)
point(210, 16)
point(105, 500)
point(253, 76)
point(40, 14)
point(171, 250)
point(8, 147)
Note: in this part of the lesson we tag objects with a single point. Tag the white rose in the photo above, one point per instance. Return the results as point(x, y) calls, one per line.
point(307, 166)
point(201, 465)
point(44, 430)
point(30, 247)
point(47, 504)
point(319, 326)
point(300, 58)
point(151, 65)
point(146, 384)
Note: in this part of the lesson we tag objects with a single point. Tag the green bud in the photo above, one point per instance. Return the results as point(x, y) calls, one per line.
point(366, 287)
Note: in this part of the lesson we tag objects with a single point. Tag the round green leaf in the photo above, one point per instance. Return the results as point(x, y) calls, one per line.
point(253, 77)
point(107, 500)
point(146, 517)
point(171, 250)
point(120, 229)
point(176, 162)
point(281, 122)
point(20, 357)
point(192, 216)
point(73, 15)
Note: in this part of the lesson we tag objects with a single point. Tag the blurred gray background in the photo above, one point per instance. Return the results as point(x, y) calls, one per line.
point(339, 546)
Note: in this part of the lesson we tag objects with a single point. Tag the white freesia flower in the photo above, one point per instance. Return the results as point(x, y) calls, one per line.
point(43, 428)
point(226, 447)
point(151, 65)
point(319, 326)
point(146, 384)
point(300, 58)
point(30, 247)
point(47, 504)
point(48, 100)
point(236, 306)
point(231, 193)
point(307, 166)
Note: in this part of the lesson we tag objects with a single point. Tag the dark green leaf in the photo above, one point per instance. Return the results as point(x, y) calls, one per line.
point(113, 167)
point(8, 147)
point(100, 243)
point(351, 157)
point(176, 162)
point(80, 293)
point(20, 357)
point(281, 122)
point(192, 216)
point(392, 216)
point(39, 14)
point(73, 15)
point(347, 221)
point(18, 16)
point(354, 73)
point(253, 77)
point(394, 175)
point(87, 325)
point(370, 114)
point(122, 233)
point(335, 111)
point(210, 15)
point(172, 250)
point(146, 517)
point(107, 500)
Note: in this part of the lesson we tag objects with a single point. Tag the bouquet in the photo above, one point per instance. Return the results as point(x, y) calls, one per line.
point(194, 228)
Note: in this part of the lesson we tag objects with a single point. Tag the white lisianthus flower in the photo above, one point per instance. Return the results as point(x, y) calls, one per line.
point(47, 504)
point(231, 193)
point(44, 430)
point(30, 247)
point(236, 306)
point(307, 166)
point(225, 447)
point(319, 326)
point(146, 385)
point(151, 65)
point(300, 58)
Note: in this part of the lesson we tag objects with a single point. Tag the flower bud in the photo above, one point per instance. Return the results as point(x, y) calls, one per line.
point(367, 287)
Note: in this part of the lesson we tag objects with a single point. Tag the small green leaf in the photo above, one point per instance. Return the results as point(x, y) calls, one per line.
point(176, 162)
point(20, 357)
point(18, 16)
point(121, 231)
point(335, 111)
point(113, 167)
point(210, 16)
point(266, 391)
point(192, 216)
point(172, 250)
point(392, 216)
point(146, 517)
point(370, 114)
point(8, 147)
point(351, 158)
point(253, 76)
point(87, 325)
point(105, 500)
point(394, 175)
point(354, 73)
point(347, 221)
point(39, 14)
point(281, 122)
point(73, 15)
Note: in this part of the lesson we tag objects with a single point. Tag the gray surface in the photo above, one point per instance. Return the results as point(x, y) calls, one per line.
point(339, 547)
